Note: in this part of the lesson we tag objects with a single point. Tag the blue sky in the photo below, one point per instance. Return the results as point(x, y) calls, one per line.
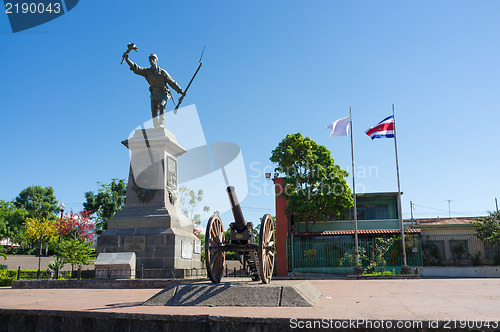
point(271, 68)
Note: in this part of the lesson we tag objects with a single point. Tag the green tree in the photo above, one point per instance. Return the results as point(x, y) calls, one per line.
point(349, 257)
point(76, 252)
point(488, 228)
point(315, 187)
point(2, 254)
point(40, 230)
point(189, 202)
point(77, 232)
point(202, 240)
point(11, 221)
point(39, 202)
point(378, 251)
point(109, 199)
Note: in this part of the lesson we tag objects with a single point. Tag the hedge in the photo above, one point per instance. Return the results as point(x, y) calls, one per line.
point(7, 276)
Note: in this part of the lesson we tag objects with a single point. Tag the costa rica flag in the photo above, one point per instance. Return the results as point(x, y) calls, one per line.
point(384, 128)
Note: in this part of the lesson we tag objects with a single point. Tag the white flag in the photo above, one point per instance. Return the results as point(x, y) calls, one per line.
point(341, 127)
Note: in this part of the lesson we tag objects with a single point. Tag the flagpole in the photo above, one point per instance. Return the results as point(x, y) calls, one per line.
point(357, 268)
point(400, 218)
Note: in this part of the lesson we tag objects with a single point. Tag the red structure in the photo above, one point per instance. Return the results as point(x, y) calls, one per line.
point(281, 228)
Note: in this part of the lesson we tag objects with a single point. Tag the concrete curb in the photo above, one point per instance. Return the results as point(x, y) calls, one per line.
point(362, 277)
point(52, 320)
point(58, 321)
point(102, 283)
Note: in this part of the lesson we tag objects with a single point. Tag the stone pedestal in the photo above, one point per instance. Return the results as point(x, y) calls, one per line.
point(151, 223)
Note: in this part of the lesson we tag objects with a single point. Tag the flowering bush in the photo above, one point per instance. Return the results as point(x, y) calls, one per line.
point(79, 232)
point(77, 226)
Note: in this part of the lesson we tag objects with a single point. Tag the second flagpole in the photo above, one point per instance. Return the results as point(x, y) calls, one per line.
point(357, 269)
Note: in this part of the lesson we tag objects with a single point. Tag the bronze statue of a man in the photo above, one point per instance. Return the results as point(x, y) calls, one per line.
point(158, 80)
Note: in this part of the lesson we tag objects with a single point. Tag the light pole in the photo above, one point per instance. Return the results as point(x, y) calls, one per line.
point(61, 208)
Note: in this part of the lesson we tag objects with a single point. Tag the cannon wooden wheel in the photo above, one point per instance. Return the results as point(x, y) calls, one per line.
point(266, 249)
point(215, 255)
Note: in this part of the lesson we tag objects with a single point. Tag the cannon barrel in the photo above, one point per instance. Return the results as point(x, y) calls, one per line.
point(240, 222)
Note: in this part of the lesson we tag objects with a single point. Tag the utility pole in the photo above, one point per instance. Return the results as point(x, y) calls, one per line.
point(449, 210)
point(411, 212)
point(496, 203)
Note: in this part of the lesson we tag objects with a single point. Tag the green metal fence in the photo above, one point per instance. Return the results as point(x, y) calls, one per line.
point(458, 250)
point(329, 254)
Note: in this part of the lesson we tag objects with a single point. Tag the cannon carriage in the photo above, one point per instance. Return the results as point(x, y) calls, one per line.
point(257, 257)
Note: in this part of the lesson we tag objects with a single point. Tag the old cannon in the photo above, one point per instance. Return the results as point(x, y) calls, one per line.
point(257, 258)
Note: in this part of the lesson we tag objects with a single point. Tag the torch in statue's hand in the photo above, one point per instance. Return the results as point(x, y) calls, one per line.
point(130, 47)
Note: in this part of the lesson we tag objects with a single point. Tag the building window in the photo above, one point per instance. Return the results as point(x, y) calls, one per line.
point(373, 212)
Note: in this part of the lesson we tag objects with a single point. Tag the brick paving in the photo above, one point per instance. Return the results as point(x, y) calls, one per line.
point(424, 299)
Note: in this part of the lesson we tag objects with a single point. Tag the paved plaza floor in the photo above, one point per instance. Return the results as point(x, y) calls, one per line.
point(423, 299)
